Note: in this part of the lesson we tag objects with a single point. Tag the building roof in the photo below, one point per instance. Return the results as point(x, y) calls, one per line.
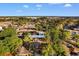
point(1, 28)
point(23, 51)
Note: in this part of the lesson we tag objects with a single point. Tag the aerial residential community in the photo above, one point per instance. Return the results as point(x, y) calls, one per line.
point(39, 36)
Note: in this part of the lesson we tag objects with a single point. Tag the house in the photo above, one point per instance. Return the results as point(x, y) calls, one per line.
point(30, 28)
point(1, 28)
point(74, 29)
point(39, 35)
point(22, 51)
point(26, 28)
point(6, 24)
point(21, 35)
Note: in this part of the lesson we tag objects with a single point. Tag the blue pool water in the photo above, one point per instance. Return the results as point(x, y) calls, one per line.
point(38, 36)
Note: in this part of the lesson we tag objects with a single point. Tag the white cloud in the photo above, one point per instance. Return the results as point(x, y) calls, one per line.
point(25, 6)
point(38, 5)
point(67, 5)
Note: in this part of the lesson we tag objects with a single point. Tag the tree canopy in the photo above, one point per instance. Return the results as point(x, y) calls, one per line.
point(10, 42)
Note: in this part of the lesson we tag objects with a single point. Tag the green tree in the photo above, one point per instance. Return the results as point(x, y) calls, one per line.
point(10, 42)
point(76, 37)
point(54, 34)
point(8, 32)
point(3, 49)
point(48, 51)
point(65, 35)
point(59, 49)
point(27, 38)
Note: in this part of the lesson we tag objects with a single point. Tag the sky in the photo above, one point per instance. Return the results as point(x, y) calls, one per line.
point(39, 9)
